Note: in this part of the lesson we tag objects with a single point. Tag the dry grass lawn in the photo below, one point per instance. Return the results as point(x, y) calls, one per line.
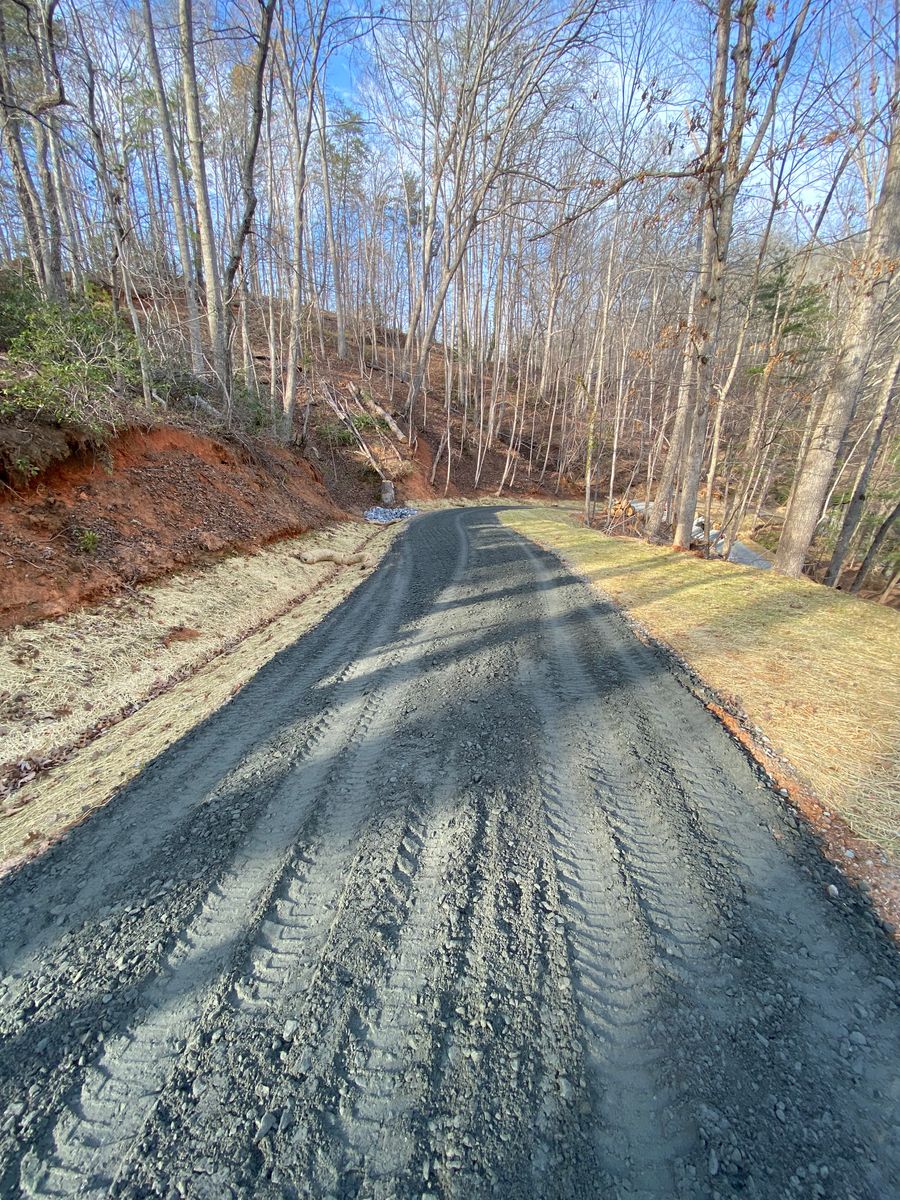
point(816, 670)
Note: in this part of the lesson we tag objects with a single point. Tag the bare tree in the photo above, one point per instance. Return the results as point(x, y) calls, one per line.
point(175, 191)
point(212, 275)
point(873, 283)
point(857, 503)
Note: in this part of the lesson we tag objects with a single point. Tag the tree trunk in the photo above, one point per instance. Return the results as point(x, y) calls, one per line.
point(215, 310)
point(726, 167)
point(177, 198)
point(868, 562)
point(329, 233)
point(858, 499)
point(300, 138)
point(885, 596)
point(873, 282)
point(658, 515)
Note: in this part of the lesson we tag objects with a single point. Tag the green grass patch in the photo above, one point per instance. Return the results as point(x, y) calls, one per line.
point(815, 669)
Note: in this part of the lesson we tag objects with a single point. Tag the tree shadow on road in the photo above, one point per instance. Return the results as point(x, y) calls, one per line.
point(453, 699)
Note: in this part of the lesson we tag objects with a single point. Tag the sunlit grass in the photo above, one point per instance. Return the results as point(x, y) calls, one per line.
point(815, 669)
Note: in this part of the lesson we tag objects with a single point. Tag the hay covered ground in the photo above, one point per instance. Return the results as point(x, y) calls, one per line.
point(88, 699)
point(813, 669)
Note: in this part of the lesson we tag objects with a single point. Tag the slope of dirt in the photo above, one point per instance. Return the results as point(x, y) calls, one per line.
point(66, 681)
point(99, 522)
point(154, 501)
point(463, 895)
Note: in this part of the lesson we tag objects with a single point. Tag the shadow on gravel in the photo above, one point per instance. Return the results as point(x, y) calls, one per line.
point(68, 888)
point(55, 898)
point(250, 721)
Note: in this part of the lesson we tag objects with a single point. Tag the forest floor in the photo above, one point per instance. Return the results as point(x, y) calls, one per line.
point(466, 893)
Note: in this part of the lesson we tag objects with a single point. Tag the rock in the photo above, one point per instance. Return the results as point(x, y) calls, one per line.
point(290, 1028)
point(266, 1125)
point(211, 542)
point(833, 891)
point(713, 1163)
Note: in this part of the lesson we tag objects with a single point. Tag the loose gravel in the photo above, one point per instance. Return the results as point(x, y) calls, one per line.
point(464, 895)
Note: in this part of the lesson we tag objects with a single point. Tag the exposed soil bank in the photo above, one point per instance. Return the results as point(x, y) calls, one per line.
point(154, 501)
point(97, 523)
point(463, 895)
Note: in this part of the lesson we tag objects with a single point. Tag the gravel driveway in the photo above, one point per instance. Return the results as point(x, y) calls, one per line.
point(464, 895)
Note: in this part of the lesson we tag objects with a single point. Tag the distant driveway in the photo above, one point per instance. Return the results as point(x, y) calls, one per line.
point(747, 558)
point(739, 552)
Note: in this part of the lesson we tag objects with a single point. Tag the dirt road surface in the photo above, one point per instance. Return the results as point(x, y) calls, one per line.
point(464, 895)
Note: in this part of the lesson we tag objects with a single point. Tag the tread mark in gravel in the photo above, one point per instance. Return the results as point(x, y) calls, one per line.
point(389, 1072)
point(714, 994)
point(297, 949)
point(614, 919)
point(119, 1092)
point(639, 1137)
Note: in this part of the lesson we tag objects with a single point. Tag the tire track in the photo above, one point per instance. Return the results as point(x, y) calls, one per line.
point(642, 1136)
point(495, 910)
point(733, 999)
point(477, 1069)
point(508, 1088)
point(118, 1093)
point(764, 914)
point(390, 1069)
point(218, 761)
point(362, 844)
point(622, 1008)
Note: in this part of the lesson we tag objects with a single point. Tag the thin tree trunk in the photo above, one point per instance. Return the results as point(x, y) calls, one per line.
point(858, 499)
point(329, 232)
point(850, 372)
point(177, 198)
point(869, 561)
point(215, 311)
point(658, 515)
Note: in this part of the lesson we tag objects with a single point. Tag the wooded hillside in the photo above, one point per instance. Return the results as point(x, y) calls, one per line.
point(643, 249)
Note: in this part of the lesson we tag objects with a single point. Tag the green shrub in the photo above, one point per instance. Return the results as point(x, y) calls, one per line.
point(25, 467)
point(87, 540)
point(249, 409)
point(76, 363)
point(336, 433)
point(364, 421)
point(18, 300)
